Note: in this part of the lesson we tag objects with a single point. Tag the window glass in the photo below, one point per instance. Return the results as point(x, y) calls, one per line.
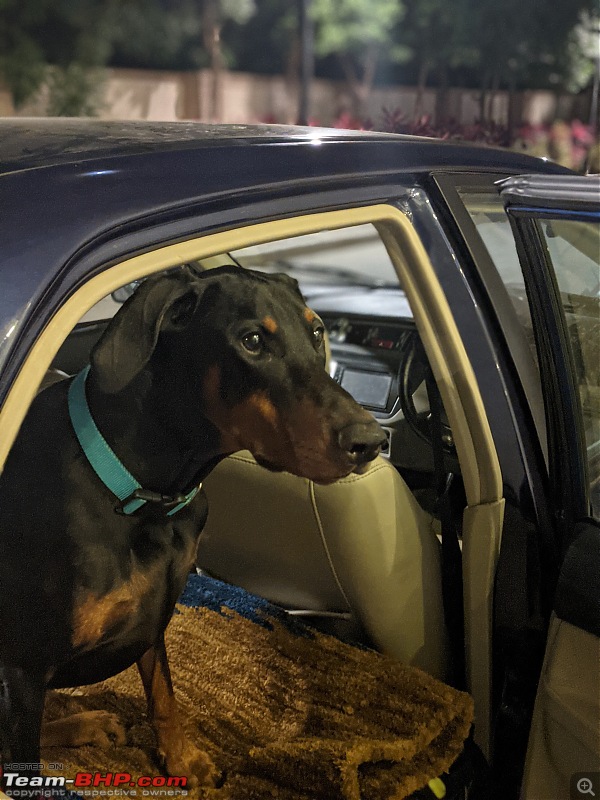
point(487, 212)
point(335, 257)
point(353, 256)
point(347, 277)
point(573, 249)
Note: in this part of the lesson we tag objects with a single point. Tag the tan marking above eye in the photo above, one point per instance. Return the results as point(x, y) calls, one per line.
point(309, 315)
point(269, 324)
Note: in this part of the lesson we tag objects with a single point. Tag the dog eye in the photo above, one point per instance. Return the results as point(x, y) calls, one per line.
point(318, 336)
point(253, 343)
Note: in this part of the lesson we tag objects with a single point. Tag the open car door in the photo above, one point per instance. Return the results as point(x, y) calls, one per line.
point(556, 221)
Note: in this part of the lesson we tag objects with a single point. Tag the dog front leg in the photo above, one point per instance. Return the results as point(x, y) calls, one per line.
point(180, 757)
point(21, 707)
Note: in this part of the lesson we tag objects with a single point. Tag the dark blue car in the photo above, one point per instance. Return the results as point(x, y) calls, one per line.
point(460, 287)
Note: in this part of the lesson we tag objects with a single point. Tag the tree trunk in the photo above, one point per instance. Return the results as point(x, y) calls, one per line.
point(494, 89)
point(212, 41)
point(421, 85)
point(360, 86)
point(483, 95)
point(307, 60)
point(292, 80)
point(441, 97)
point(515, 104)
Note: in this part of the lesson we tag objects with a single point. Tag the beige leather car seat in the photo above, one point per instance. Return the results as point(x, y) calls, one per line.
point(362, 545)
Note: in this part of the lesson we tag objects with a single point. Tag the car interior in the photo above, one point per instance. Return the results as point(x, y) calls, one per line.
point(361, 558)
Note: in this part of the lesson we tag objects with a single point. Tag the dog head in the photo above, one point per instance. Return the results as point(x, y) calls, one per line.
point(242, 350)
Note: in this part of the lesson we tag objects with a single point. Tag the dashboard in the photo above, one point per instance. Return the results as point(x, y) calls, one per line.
point(376, 356)
point(367, 360)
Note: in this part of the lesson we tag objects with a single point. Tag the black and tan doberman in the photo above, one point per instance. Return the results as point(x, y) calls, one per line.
point(192, 368)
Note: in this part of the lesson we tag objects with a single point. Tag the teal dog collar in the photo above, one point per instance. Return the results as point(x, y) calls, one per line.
point(105, 463)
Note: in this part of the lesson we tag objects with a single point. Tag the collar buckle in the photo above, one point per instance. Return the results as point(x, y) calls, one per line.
point(170, 503)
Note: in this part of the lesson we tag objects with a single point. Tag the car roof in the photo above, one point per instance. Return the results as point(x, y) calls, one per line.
point(42, 142)
point(71, 186)
point(27, 143)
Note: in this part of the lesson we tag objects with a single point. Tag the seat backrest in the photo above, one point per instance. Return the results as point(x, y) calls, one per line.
point(52, 376)
point(362, 545)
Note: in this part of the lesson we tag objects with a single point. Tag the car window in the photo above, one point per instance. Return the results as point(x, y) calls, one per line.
point(486, 209)
point(354, 256)
point(334, 257)
point(573, 250)
point(108, 306)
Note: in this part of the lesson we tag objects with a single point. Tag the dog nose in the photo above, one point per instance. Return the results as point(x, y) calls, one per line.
point(362, 441)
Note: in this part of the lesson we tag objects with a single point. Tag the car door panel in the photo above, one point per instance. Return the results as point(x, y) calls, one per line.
point(564, 740)
point(578, 592)
point(564, 733)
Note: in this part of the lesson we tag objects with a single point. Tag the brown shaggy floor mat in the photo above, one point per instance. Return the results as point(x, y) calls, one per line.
point(284, 712)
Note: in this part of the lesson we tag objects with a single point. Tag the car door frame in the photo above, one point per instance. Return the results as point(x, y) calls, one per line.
point(482, 521)
point(567, 462)
point(526, 570)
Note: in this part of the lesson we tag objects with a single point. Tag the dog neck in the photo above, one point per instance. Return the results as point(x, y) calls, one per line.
point(167, 448)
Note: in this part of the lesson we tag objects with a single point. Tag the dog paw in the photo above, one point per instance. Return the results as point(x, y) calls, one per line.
point(184, 759)
point(93, 728)
point(104, 729)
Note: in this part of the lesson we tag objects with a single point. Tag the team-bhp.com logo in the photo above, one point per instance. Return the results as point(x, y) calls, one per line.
point(94, 784)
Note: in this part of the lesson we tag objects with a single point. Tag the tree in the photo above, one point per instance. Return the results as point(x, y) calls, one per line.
point(583, 52)
point(179, 34)
point(358, 32)
point(21, 56)
point(585, 62)
point(269, 42)
point(437, 34)
point(524, 44)
point(73, 37)
point(76, 36)
point(74, 91)
point(157, 34)
point(214, 15)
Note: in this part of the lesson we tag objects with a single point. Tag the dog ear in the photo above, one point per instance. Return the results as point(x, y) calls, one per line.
point(287, 280)
point(164, 302)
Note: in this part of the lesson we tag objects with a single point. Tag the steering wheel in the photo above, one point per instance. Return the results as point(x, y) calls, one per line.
point(412, 378)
